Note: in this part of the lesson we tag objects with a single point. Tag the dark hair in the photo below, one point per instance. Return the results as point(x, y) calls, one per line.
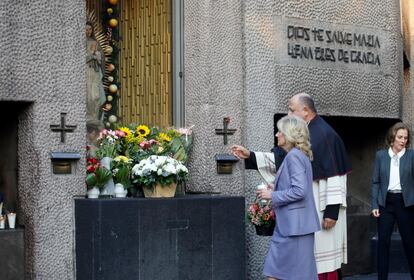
point(392, 132)
point(307, 101)
point(93, 29)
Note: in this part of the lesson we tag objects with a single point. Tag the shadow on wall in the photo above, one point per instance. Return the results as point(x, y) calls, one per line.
point(9, 113)
point(362, 138)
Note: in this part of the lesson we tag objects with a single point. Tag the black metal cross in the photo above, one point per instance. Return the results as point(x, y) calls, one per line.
point(225, 131)
point(62, 128)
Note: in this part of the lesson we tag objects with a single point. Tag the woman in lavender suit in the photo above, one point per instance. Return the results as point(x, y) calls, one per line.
point(291, 252)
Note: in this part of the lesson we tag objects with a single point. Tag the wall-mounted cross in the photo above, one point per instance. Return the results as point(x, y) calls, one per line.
point(225, 131)
point(62, 127)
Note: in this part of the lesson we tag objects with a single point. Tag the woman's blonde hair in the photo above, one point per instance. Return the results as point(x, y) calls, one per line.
point(296, 134)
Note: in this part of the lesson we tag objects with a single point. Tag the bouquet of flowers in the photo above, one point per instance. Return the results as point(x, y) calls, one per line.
point(262, 216)
point(97, 175)
point(109, 143)
point(159, 169)
point(158, 155)
point(141, 141)
point(121, 170)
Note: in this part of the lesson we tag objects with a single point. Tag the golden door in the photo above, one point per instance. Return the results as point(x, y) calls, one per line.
point(145, 95)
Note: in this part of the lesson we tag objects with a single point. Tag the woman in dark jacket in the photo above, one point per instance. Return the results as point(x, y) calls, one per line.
point(393, 196)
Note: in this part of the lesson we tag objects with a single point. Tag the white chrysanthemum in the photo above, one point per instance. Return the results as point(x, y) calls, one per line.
point(160, 161)
point(135, 169)
point(182, 168)
point(170, 169)
point(152, 167)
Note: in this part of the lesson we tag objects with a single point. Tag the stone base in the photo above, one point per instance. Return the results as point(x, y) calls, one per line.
point(184, 238)
point(12, 254)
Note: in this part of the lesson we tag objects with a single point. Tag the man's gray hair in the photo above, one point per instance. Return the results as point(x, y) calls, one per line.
point(306, 100)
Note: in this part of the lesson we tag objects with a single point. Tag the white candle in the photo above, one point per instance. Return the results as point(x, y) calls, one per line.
point(262, 187)
point(11, 218)
point(2, 224)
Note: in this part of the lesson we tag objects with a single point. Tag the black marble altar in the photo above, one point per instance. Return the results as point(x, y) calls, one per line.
point(184, 238)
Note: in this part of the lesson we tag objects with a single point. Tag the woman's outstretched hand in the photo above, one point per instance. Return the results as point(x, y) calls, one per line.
point(240, 152)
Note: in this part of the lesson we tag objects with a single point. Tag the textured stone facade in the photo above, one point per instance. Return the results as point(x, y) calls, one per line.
point(246, 73)
point(43, 63)
point(236, 65)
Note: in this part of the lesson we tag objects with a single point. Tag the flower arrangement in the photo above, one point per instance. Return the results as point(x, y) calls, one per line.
point(141, 155)
point(109, 143)
point(141, 141)
point(121, 169)
point(97, 175)
point(159, 169)
point(261, 214)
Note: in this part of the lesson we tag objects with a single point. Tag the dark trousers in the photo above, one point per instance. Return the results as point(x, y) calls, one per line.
point(395, 211)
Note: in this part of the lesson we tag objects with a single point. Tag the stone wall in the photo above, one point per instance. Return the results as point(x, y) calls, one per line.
point(236, 65)
point(214, 87)
point(42, 51)
point(248, 74)
point(407, 8)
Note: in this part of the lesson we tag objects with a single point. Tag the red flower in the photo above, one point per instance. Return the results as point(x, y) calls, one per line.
point(92, 161)
point(91, 168)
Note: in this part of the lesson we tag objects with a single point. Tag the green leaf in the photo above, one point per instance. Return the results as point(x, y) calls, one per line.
point(91, 180)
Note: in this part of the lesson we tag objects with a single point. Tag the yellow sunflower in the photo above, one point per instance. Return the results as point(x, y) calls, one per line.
point(126, 130)
point(164, 137)
point(142, 130)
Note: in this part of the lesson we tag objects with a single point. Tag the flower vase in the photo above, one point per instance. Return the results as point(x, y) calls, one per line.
point(93, 192)
point(180, 191)
point(159, 190)
point(109, 187)
point(135, 191)
point(265, 230)
point(119, 190)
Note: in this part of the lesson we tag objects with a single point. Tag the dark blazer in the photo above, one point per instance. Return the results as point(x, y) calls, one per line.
point(381, 178)
point(293, 196)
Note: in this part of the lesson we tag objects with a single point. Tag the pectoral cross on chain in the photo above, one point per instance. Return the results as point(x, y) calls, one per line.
point(225, 131)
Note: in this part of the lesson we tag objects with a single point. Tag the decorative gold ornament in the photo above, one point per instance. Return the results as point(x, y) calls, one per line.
point(113, 88)
point(109, 49)
point(110, 11)
point(112, 119)
point(110, 79)
point(108, 107)
point(113, 22)
point(113, 2)
point(109, 98)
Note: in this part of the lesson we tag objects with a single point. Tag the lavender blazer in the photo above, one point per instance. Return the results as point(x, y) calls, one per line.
point(293, 196)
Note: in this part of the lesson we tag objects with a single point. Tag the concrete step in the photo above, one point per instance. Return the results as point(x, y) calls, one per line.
point(391, 276)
